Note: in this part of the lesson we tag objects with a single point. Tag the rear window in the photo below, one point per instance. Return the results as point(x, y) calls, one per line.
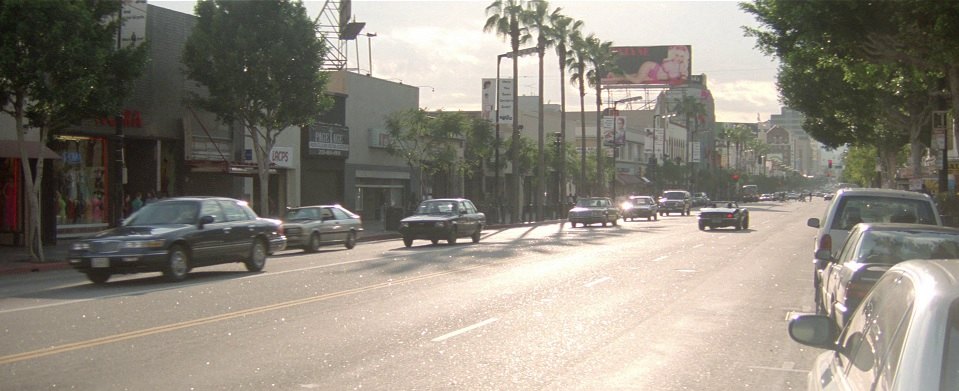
point(674, 195)
point(865, 209)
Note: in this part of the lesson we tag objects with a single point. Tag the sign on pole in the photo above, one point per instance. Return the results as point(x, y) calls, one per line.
point(505, 101)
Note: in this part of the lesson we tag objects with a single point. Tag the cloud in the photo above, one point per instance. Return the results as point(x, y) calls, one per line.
point(741, 100)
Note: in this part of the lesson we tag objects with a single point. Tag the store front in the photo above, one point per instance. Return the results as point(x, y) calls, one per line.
point(13, 205)
point(81, 184)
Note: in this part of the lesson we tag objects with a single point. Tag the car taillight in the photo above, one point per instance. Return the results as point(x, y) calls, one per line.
point(825, 243)
point(729, 215)
point(855, 292)
point(279, 230)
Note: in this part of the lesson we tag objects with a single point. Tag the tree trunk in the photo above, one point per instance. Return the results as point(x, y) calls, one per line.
point(600, 178)
point(541, 171)
point(33, 239)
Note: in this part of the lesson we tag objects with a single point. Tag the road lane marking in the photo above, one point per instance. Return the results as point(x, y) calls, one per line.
point(697, 246)
point(597, 282)
point(90, 343)
point(660, 258)
point(464, 330)
point(787, 367)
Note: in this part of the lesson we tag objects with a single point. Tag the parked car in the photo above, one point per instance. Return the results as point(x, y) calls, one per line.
point(720, 214)
point(639, 207)
point(855, 205)
point(593, 210)
point(903, 337)
point(871, 250)
point(309, 227)
point(443, 219)
point(700, 199)
point(175, 235)
point(673, 201)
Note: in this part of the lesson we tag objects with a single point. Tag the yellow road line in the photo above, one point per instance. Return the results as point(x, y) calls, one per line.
point(9, 359)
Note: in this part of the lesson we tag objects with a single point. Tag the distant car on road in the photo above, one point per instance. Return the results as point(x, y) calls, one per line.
point(443, 219)
point(639, 207)
point(903, 337)
point(700, 199)
point(871, 250)
point(175, 235)
point(310, 227)
point(675, 201)
point(593, 210)
point(718, 214)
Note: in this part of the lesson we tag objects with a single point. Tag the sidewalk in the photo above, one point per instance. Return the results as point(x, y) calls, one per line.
point(15, 260)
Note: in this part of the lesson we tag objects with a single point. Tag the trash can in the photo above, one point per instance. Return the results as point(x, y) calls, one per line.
point(393, 217)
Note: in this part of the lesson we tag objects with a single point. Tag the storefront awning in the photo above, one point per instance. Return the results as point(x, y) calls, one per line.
point(11, 149)
point(629, 179)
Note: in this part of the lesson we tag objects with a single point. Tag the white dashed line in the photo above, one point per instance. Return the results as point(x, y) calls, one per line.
point(599, 281)
point(659, 259)
point(464, 330)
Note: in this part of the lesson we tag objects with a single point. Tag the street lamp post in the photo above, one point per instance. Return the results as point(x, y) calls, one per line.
point(496, 189)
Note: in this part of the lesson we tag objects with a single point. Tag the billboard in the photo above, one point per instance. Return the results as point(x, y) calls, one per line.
point(659, 65)
point(505, 100)
point(614, 131)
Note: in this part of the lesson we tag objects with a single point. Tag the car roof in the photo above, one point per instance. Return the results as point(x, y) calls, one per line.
point(446, 199)
point(861, 191)
point(316, 206)
point(907, 227)
point(934, 277)
point(198, 198)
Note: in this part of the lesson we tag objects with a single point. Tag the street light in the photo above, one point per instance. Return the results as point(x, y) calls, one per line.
point(369, 47)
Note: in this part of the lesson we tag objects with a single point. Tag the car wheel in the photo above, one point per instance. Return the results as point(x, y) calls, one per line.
point(746, 223)
point(98, 277)
point(478, 234)
point(702, 226)
point(257, 258)
point(655, 217)
point(452, 238)
point(615, 221)
point(434, 241)
point(350, 241)
point(314, 244)
point(604, 221)
point(739, 225)
point(178, 264)
point(408, 242)
point(572, 224)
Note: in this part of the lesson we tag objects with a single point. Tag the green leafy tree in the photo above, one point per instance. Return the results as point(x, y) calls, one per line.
point(430, 143)
point(260, 62)
point(602, 61)
point(59, 63)
point(504, 20)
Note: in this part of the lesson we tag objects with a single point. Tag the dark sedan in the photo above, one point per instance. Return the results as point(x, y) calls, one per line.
point(178, 234)
point(443, 219)
point(718, 214)
point(870, 251)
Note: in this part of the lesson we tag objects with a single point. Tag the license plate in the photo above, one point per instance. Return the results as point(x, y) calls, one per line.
point(100, 262)
point(717, 221)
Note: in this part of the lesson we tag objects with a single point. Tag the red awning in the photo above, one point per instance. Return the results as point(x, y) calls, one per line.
point(11, 149)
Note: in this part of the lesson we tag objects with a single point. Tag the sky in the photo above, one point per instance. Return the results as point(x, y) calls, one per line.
point(440, 46)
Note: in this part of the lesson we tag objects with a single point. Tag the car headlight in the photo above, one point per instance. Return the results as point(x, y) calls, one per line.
point(404, 224)
point(153, 243)
point(79, 246)
point(440, 224)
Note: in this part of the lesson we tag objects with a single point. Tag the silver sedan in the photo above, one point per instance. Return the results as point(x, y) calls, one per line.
point(310, 227)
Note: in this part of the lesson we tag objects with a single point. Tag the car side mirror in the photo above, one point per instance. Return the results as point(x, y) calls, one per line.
point(813, 222)
point(205, 220)
point(824, 255)
point(813, 330)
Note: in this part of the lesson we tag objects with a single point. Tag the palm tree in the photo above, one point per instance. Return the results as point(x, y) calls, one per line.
point(504, 20)
point(537, 17)
point(562, 31)
point(603, 61)
point(576, 63)
point(690, 107)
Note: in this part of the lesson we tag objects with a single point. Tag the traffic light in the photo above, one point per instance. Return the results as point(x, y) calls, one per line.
point(830, 163)
point(734, 177)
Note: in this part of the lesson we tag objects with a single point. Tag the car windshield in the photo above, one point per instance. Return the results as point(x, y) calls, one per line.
point(436, 208)
point(591, 202)
point(302, 214)
point(165, 213)
point(873, 209)
point(674, 196)
point(890, 247)
point(642, 201)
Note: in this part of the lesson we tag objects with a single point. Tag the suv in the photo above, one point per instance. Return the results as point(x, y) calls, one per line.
point(861, 205)
point(675, 201)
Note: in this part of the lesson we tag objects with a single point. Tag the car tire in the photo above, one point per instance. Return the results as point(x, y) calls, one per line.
point(604, 221)
point(702, 226)
point(257, 258)
point(98, 277)
point(434, 241)
point(615, 221)
point(408, 242)
point(746, 222)
point(478, 234)
point(655, 217)
point(451, 239)
point(739, 225)
point(572, 224)
point(178, 264)
point(313, 245)
point(350, 241)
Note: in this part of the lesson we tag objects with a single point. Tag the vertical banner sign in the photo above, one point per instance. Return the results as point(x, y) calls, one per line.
point(614, 131)
point(696, 158)
point(489, 99)
point(505, 101)
point(134, 28)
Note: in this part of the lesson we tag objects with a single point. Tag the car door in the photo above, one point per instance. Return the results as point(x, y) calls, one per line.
point(210, 241)
point(241, 230)
point(832, 273)
point(340, 227)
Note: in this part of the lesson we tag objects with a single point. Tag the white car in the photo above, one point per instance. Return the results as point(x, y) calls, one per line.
point(862, 205)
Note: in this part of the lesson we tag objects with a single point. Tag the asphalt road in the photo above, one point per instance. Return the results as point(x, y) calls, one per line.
point(641, 306)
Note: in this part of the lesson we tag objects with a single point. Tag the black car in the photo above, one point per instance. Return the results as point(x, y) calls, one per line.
point(175, 235)
point(719, 214)
point(443, 219)
point(675, 201)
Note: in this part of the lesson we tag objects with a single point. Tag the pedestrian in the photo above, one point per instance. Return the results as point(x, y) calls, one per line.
point(137, 202)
